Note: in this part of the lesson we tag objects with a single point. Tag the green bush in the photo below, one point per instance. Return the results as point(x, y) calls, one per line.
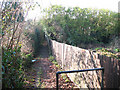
point(12, 70)
point(75, 25)
point(13, 24)
point(28, 60)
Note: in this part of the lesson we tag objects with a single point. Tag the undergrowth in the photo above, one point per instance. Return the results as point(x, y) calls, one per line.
point(115, 53)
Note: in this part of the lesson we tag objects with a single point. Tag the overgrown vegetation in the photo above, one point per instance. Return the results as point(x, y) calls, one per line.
point(64, 76)
point(52, 59)
point(115, 53)
point(38, 38)
point(12, 71)
point(77, 26)
point(22, 40)
point(14, 43)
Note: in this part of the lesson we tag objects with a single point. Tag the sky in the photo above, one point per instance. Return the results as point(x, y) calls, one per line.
point(99, 4)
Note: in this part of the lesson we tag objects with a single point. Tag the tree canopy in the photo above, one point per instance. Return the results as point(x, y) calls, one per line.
point(80, 25)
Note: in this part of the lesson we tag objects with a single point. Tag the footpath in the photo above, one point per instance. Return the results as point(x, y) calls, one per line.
point(43, 73)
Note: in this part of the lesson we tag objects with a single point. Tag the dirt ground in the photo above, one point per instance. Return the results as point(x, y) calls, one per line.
point(43, 73)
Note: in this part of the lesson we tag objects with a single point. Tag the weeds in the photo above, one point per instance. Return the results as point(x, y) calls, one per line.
point(64, 76)
point(115, 53)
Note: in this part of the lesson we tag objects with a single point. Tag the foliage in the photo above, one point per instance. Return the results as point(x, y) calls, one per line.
point(13, 74)
point(11, 17)
point(12, 21)
point(37, 36)
point(26, 39)
point(76, 26)
point(51, 58)
point(37, 41)
point(109, 52)
point(12, 70)
point(27, 60)
point(117, 50)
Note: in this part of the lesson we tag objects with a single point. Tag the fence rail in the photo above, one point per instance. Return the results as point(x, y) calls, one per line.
point(74, 58)
point(74, 71)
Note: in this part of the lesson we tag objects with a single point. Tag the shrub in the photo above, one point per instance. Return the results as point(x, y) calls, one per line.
point(28, 60)
point(12, 70)
point(75, 25)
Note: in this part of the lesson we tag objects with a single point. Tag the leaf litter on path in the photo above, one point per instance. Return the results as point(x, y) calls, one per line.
point(43, 71)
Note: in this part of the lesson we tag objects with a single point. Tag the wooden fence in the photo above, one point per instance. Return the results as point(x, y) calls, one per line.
point(64, 55)
point(112, 71)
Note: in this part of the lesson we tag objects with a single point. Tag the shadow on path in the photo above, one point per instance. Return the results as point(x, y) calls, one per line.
point(44, 50)
point(48, 78)
point(44, 72)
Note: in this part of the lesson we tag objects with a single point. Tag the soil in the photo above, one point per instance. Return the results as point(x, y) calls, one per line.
point(43, 73)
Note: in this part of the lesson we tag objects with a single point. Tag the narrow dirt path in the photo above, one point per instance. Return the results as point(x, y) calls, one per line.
point(44, 72)
point(48, 69)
